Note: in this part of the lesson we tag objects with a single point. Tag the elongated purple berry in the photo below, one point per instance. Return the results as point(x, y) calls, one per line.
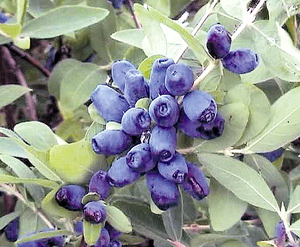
point(115, 243)
point(135, 121)
point(110, 104)
point(139, 158)
point(218, 41)
point(157, 77)
point(99, 184)
point(200, 106)
point(111, 142)
point(179, 79)
point(163, 143)
point(164, 192)
point(136, 87)
point(175, 170)
point(213, 129)
point(94, 212)
point(164, 111)
point(195, 183)
point(273, 155)
point(113, 233)
point(119, 174)
point(241, 61)
point(104, 239)
point(12, 230)
point(120, 68)
point(70, 196)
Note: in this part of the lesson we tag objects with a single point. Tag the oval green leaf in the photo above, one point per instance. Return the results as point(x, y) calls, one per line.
point(9, 93)
point(118, 219)
point(91, 232)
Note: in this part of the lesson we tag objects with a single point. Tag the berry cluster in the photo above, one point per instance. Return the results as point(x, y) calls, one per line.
point(155, 156)
point(239, 61)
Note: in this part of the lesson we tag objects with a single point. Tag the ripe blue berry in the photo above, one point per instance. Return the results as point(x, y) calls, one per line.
point(195, 183)
point(115, 243)
point(119, 69)
point(139, 158)
point(94, 212)
point(99, 184)
point(241, 61)
point(119, 174)
point(157, 77)
point(136, 87)
point(164, 111)
point(111, 142)
point(110, 104)
point(78, 227)
point(200, 106)
point(186, 126)
point(135, 121)
point(104, 239)
point(273, 155)
point(164, 193)
point(175, 170)
point(70, 196)
point(113, 233)
point(3, 18)
point(179, 79)
point(163, 143)
point(218, 41)
point(213, 129)
point(12, 230)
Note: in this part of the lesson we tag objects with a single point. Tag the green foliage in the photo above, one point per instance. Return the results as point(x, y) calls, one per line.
point(91, 232)
point(10, 93)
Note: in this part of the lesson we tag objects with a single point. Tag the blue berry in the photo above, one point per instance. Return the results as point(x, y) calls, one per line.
point(157, 77)
point(78, 227)
point(113, 233)
point(164, 192)
point(99, 184)
point(119, 174)
point(163, 143)
point(211, 130)
point(139, 158)
point(117, 3)
point(195, 183)
point(179, 79)
point(115, 243)
point(104, 239)
point(273, 155)
point(111, 142)
point(241, 61)
point(120, 68)
point(135, 121)
point(94, 212)
point(70, 196)
point(218, 41)
point(3, 18)
point(175, 170)
point(280, 230)
point(186, 126)
point(110, 104)
point(136, 87)
point(164, 111)
point(12, 230)
point(200, 106)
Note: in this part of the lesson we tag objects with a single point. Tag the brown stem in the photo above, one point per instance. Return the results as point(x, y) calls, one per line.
point(136, 21)
point(18, 73)
point(29, 59)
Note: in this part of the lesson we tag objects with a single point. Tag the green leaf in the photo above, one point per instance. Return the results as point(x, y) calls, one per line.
point(21, 11)
point(153, 31)
point(22, 42)
point(60, 19)
point(212, 81)
point(173, 220)
point(9, 93)
point(4, 220)
point(39, 7)
point(75, 162)
point(235, 8)
point(211, 238)
point(36, 134)
point(10, 147)
point(91, 232)
point(78, 84)
point(143, 103)
point(236, 117)
point(95, 115)
point(225, 209)
point(93, 130)
point(113, 126)
point(163, 6)
point(13, 30)
point(295, 228)
point(269, 220)
point(258, 105)
point(132, 37)
point(118, 219)
point(283, 126)
point(89, 197)
point(50, 206)
point(146, 66)
point(177, 5)
point(239, 178)
point(15, 180)
point(294, 204)
point(47, 234)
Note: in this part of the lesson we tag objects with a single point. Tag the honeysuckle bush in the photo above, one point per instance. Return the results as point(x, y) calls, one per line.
point(249, 195)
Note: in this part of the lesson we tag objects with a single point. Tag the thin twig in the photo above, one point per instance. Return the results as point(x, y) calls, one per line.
point(136, 20)
point(29, 59)
point(22, 199)
point(29, 100)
